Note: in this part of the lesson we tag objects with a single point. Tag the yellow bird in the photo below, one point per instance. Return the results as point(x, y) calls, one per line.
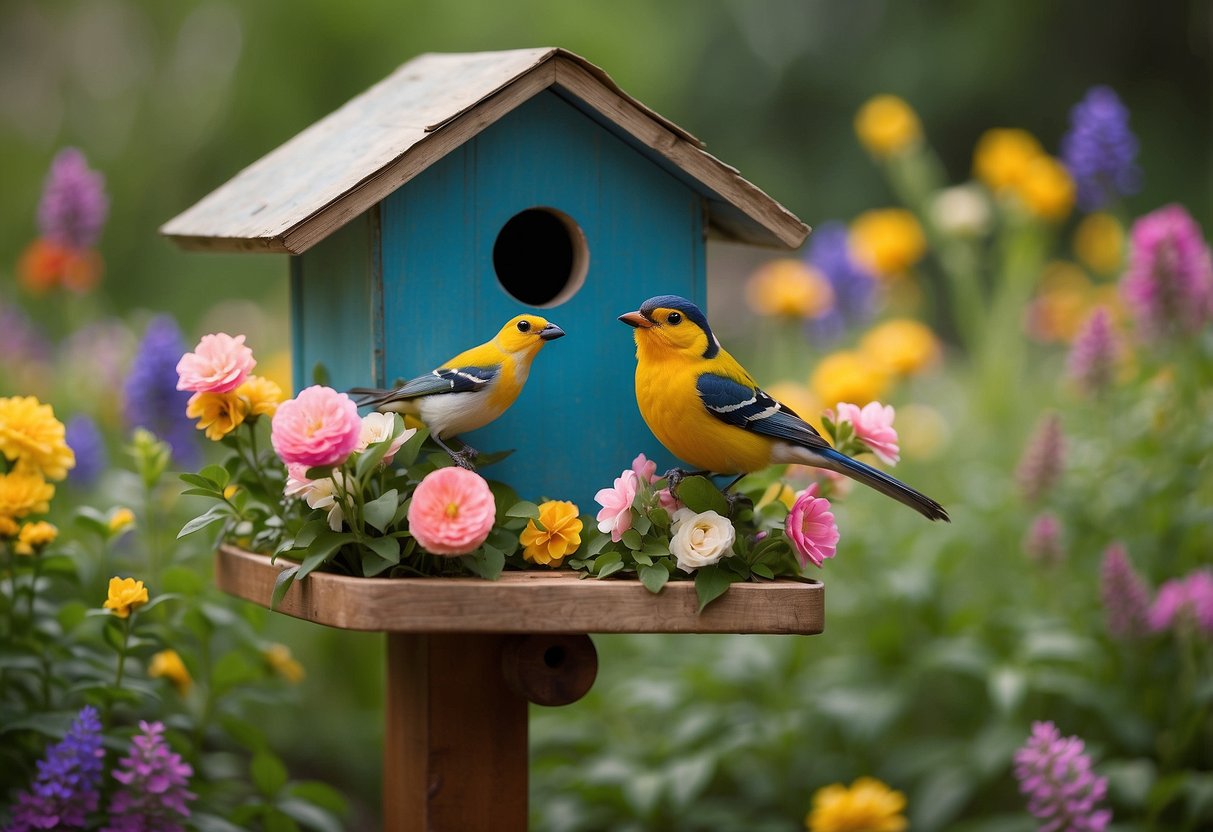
point(473, 388)
point(708, 411)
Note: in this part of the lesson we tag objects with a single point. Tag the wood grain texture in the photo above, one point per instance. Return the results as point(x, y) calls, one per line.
point(551, 669)
point(455, 744)
point(343, 164)
point(524, 602)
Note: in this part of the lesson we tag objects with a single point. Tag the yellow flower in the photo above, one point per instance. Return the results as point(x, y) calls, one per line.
point(1047, 190)
point(1062, 302)
point(903, 345)
point(24, 491)
point(1099, 241)
point(777, 492)
point(887, 125)
point(1003, 156)
point(277, 368)
point(120, 520)
point(280, 660)
point(789, 288)
point(8, 526)
point(261, 395)
point(30, 432)
point(167, 664)
point(230, 491)
point(887, 241)
point(867, 806)
point(848, 376)
point(563, 535)
point(125, 594)
point(217, 413)
point(34, 537)
point(800, 399)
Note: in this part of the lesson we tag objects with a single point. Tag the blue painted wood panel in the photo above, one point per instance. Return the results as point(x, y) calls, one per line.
point(576, 424)
point(332, 307)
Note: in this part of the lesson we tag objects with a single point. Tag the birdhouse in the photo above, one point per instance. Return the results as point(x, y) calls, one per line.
point(465, 189)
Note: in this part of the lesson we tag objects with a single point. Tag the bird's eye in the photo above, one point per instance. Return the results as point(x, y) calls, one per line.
point(524, 326)
point(674, 318)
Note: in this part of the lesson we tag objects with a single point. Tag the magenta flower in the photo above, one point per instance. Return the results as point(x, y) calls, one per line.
point(154, 789)
point(615, 516)
point(318, 428)
point(219, 364)
point(74, 206)
point(1043, 458)
point(1042, 543)
point(1126, 598)
point(1184, 602)
point(1169, 285)
point(645, 468)
point(811, 528)
point(1092, 360)
point(873, 426)
point(452, 511)
point(1055, 775)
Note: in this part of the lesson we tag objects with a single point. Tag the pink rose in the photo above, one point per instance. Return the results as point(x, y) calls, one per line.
point(616, 514)
point(644, 468)
point(811, 528)
point(219, 364)
point(873, 426)
point(452, 511)
point(667, 500)
point(317, 428)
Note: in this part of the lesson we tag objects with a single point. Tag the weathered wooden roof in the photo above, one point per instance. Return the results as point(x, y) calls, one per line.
point(342, 165)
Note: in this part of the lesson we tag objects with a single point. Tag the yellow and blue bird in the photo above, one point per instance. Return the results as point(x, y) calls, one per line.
point(709, 412)
point(473, 388)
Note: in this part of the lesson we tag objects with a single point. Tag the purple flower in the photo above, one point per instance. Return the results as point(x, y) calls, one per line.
point(1169, 285)
point(85, 438)
point(1092, 359)
point(1043, 458)
point(1184, 601)
point(1099, 150)
point(1126, 598)
point(853, 285)
point(1042, 543)
point(94, 358)
point(151, 397)
point(67, 788)
point(154, 791)
point(21, 341)
point(1056, 777)
point(73, 207)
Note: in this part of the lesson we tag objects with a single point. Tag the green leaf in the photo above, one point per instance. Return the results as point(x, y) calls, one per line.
point(524, 508)
point(485, 460)
point(319, 794)
point(214, 514)
point(282, 585)
point(710, 583)
point(608, 561)
point(199, 481)
point(320, 472)
point(632, 539)
point(503, 498)
point(373, 455)
point(216, 474)
point(494, 562)
point(246, 734)
point(202, 492)
point(381, 553)
point(380, 511)
point(321, 549)
point(654, 578)
point(700, 494)
point(320, 374)
point(269, 774)
point(660, 518)
point(600, 542)
point(762, 571)
point(610, 569)
point(642, 559)
point(89, 518)
point(411, 449)
point(642, 524)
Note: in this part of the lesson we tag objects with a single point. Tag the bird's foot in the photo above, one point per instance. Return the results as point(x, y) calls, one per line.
point(736, 500)
point(675, 476)
point(464, 457)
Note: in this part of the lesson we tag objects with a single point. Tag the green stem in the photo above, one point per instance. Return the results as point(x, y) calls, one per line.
point(126, 635)
point(33, 590)
point(153, 551)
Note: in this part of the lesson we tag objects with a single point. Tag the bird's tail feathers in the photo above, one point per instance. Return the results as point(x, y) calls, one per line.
point(382, 400)
point(874, 478)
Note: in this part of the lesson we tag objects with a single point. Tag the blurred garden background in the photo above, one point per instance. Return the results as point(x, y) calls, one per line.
point(1049, 354)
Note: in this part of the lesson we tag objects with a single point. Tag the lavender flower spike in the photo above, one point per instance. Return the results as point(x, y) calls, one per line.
point(152, 399)
point(154, 779)
point(853, 286)
point(85, 438)
point(1126, 598)
point(67, 788)
point(1055, 775)
point(1092, 360)
point(1099, 150)
point(1169, 285)
point(74, 206)
point(1043, 459)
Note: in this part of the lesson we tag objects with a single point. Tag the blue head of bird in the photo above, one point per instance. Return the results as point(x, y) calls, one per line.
point(524, 335)
point(669, 327)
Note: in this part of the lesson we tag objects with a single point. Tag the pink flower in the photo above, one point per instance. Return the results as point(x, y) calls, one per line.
point(811, 528)
point(452, 511)
point(667, 500)
point(1168, 287)
point(1182, 600)
point(644, 468)
point(317, 428)
point(616, 514)
point(219, 364)
point(873, 426)
point(1126, 598)
point(1042, 542)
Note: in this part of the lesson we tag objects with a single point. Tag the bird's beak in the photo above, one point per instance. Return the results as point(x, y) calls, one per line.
point(551, 332)
point(635, 319)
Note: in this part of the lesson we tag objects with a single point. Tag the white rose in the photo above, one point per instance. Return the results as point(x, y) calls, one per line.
point(700, 539)
point(377, 427)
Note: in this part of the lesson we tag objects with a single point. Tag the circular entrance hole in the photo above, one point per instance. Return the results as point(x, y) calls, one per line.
point(541, 257)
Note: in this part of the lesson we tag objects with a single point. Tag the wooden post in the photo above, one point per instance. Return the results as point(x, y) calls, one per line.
point(455, 748)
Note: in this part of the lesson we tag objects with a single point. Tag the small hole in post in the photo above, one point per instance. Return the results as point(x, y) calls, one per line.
point(541, 257)
point(554, 656)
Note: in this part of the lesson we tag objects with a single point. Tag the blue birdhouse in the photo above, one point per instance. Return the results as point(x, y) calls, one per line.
point(465, 189)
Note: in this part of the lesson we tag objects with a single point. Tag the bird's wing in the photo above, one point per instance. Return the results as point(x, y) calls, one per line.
point(442, 380)
point(750, 408)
